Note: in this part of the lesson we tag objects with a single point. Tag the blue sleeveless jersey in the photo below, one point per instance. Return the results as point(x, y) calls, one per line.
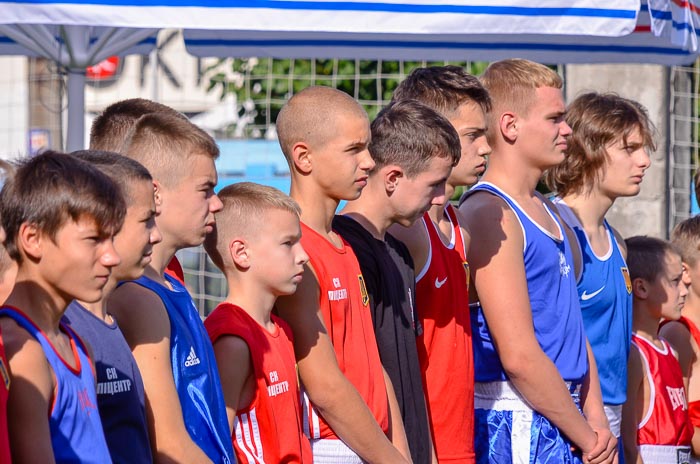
point(556, 313)
point(120, 395)
point(605, 293)
point(74, 423)
point(194, 371)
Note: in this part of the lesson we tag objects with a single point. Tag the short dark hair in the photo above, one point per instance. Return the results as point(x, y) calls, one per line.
point(409, 134)
point(596, 121)
point(686, 237)
point(122, 170)
point(443, 88)
point(110, 129)
point(51, 188)
point(646, 256)
point(163, 143)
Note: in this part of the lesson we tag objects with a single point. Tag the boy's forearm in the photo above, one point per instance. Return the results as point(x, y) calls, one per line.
point(350, 418)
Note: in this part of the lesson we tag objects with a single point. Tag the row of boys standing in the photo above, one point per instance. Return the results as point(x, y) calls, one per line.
point(382, 340)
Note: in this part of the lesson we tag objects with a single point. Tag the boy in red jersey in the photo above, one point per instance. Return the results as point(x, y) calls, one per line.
point(257, 247)
point(684, 334)
point(60, 215)
point(324, 135)
point(438, 245)
point(655, 423)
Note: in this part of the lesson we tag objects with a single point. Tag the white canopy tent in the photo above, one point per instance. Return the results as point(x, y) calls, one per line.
point(81, 33)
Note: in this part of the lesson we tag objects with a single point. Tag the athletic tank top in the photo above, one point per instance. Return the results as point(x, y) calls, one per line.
point(666, 420)
point(4, 392)
point(120, 395)
point(605, 294)
point(344, 304)
point(693, 406)
point(194, 371)
point(269, 429)
point(445, 347)
point(551, 285)
point(74, 421)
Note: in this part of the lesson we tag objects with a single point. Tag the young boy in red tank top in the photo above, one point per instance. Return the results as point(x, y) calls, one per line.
point(684, 334)
point(352, 416)
point(257, 247)
point(438, 245)
point(655, 423)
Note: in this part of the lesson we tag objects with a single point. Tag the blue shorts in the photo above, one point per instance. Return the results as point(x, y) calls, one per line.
point(506, 429)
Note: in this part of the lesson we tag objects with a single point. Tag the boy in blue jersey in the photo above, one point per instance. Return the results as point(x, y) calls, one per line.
point(530, 351)
point(59, 215)
point(606, 158)
point(120, 395)
point(184, 399)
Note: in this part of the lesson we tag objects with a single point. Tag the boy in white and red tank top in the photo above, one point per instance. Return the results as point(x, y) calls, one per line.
point(655, 422)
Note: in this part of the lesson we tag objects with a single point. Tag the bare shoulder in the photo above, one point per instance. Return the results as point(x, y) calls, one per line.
point(414, 237)
point(140, 313)
point(620, 241)
point(26, 356)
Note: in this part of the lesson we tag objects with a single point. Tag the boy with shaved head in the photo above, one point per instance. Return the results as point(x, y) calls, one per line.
point(324, 135)
point(438, 243)
point(531, 357)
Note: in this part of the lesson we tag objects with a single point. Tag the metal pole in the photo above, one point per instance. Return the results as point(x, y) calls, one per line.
point(76, 109)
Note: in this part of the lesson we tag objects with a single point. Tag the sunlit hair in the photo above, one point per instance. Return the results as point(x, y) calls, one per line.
point(512, 84)
point(311, 116)
point(443, 88)
point(109, 129)
point(410, 134)
point(246, 205)
point(126, 172)
point(164, 144)
point(686, 237)
point(597, 121)
point(52, 188)
point(646, 256)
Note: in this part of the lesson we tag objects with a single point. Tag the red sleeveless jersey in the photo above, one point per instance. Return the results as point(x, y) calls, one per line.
point(344, 304)
point(445, 346)
point(4, 392)
point(269, 429)
point(693, 406)
point(666, 421)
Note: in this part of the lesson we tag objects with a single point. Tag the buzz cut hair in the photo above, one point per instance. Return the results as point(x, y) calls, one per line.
point(164, 143)
point(245, 207)
point(110, 129)
point(122, 170)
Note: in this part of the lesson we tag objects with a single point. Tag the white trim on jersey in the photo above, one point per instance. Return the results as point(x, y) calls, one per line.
point(248, 437)
point(650, 380)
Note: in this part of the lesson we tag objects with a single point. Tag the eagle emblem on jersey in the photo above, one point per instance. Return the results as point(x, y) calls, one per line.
point(363, 290)
point(628, 281)
point(466, 271)
point(4, 374)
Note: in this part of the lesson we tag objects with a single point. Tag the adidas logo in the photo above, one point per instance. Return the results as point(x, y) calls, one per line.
point(192, 359)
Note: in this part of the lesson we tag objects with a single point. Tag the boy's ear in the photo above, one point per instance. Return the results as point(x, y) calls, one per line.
point(29, 241)
point(392, 174)
point(240, 253)
point(508, 126)
point(301, 157)
point(640, 288)
point(685, 277)
point(157, 195)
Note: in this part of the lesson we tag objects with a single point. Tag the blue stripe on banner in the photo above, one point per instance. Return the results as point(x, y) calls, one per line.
point(667, 16)
point(357, 6)
point(208, 43)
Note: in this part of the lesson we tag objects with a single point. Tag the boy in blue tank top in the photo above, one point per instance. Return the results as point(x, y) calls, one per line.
point(606, 158)
point(59, 214)
point(187, 415)
point(120, 395)
point(530, 351)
